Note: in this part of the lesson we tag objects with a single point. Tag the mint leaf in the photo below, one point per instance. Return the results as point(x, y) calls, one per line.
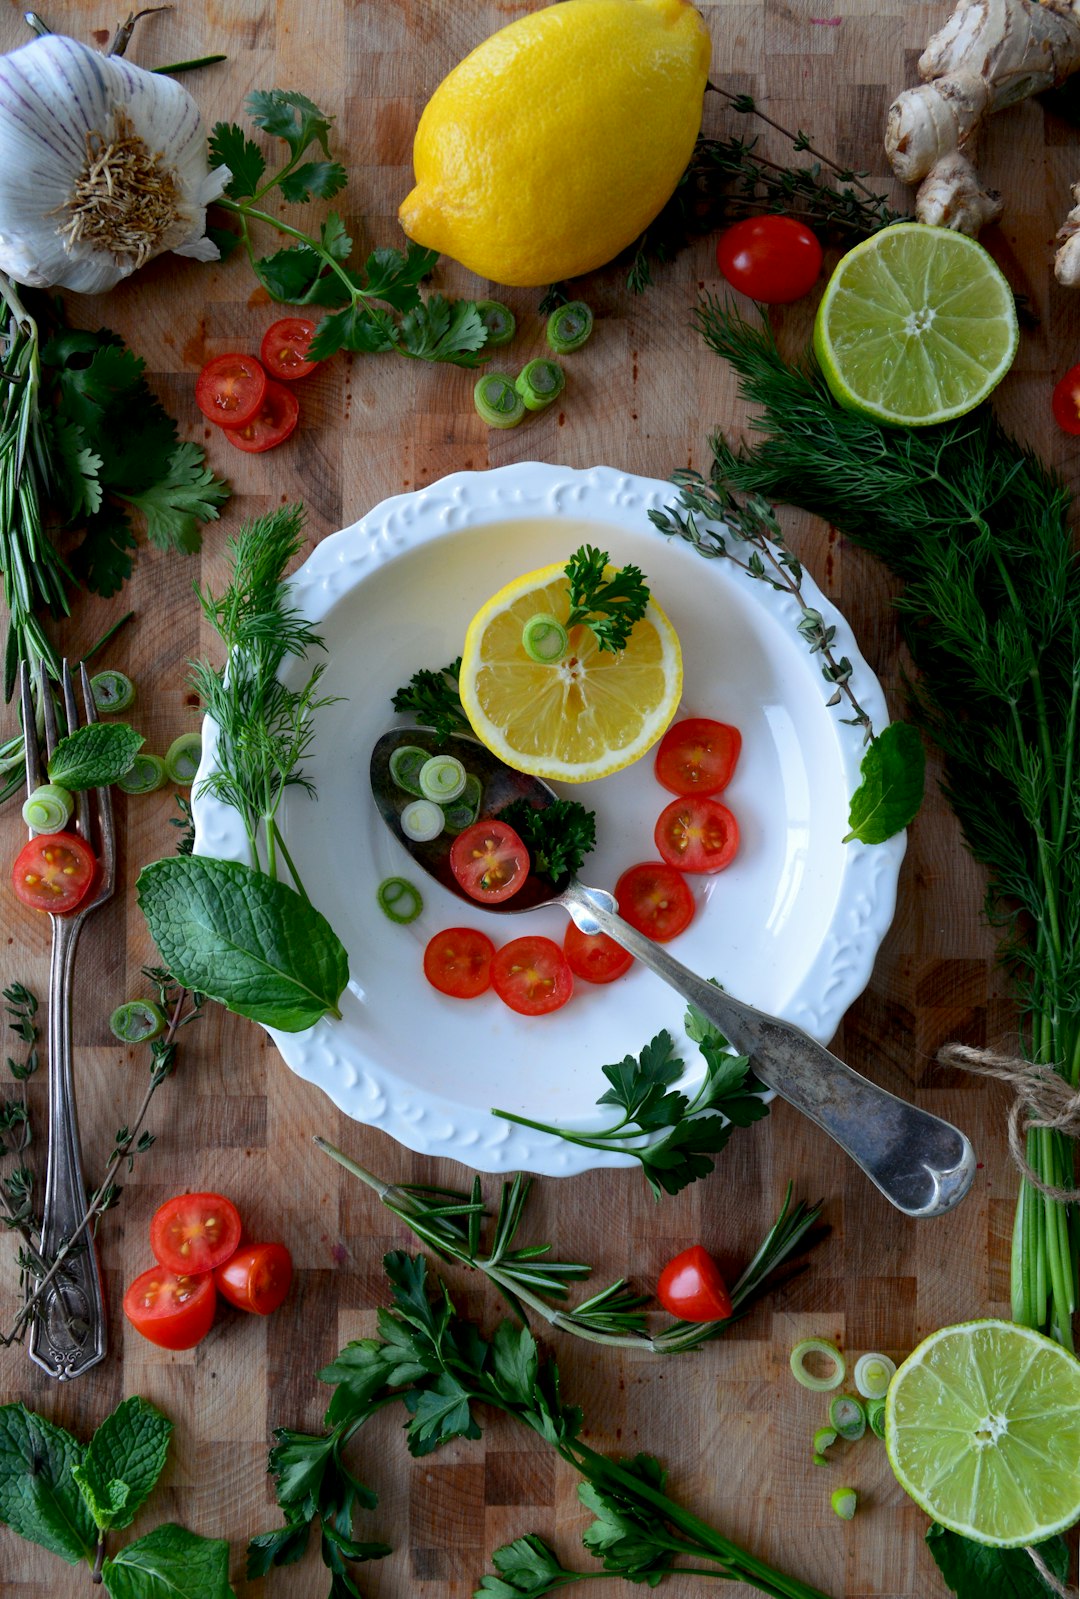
point(290, 116)
point(95, 755)
point(39, 1498)
point(241, 938)
point(123, 1461)
point(888, 798)
point(315, 180)
point(187, 494)
point(978, 1571)
point(102, 559)
point(230, 147)
point(170, 1563)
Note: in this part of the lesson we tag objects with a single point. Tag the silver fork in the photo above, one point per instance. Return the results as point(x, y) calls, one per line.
point(68, 1331)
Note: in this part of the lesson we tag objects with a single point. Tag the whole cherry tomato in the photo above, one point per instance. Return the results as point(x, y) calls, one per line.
point(692, 1288)
point(773, 259)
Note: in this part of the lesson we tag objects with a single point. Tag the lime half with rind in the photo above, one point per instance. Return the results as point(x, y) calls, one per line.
point(917, 325)
point(982, 1429)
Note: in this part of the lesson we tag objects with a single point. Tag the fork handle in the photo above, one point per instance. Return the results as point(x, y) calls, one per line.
point(922, 1164)
point(68, 1333)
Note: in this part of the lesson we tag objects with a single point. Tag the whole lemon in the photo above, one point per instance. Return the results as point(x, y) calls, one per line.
point(552, 145)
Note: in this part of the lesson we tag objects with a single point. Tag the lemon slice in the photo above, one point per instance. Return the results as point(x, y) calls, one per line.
point(916, 325)
point(581, 717)
point(982, 1428)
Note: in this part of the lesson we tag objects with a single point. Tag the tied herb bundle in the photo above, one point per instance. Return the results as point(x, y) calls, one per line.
point(978, 530)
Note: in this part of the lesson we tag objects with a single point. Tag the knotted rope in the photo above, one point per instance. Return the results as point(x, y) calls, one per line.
point(1042, 1099)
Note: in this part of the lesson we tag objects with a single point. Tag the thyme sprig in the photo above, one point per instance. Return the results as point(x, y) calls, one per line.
point(453, 1223)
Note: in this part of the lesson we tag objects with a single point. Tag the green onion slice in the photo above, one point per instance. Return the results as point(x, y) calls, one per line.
point(442, 779)
point(875, 1416)
point(544, 639)
point(569, 327)
point(845, 1502)
point(137, 1021)
point(422, 821)
point(497, 401)
point(405, 764)
point(873, 1374)
point(112, 691)
point(817, 1346)
point(466, 808)
point(145, 775)
point(499, 320)
point(824, 1438)
point(848, 1416)
point(540, 382)
point(399, 899)
point(182, 759)
point(48, 808)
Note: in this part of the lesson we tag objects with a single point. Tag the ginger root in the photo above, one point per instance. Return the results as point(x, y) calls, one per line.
point(989, 54)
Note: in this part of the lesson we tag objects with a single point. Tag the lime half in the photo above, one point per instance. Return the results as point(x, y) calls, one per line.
point(916, 325)
point(982, 1428)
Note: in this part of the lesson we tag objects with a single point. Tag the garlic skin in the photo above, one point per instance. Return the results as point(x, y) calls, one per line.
point(64, 111)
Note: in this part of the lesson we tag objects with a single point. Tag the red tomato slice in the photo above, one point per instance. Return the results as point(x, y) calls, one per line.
point(692, 1288)
point(697, 834)
point(698, 756)
point(457, 962)
point(195, 1232)
point(773, 259)
point(172, 1309)
point(1066, 401)
point(283, 351)
point(594, 956)
point(655, 898)
point(256, 1278)
point(489, 860)
point(531, 976)
point(276, 419)
point(230, 390)
point(54, 872)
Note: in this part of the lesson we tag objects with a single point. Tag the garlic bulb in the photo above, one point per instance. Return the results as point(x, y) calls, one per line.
point(102, 166)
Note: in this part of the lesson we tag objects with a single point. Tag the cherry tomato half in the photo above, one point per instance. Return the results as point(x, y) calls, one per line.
point(1066, 401)
point(283, 351)
point(697, 756)
point(692, 1288)
point(256, 1278)
point(230, 390)
point(489, 860)
point(54, 872)
point(654, 898)
point(773, 259)
point(594, 956)
point(174, 1310)
point(195, 1232)
point(275, 421)
point(531, 976)
point(457, 962)
point(697, 834)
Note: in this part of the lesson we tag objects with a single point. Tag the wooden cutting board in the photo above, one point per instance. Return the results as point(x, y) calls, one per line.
point(732, 1426)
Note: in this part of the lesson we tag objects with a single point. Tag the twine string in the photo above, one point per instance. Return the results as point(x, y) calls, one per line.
point(1047, 1575)
point(1042, 1098)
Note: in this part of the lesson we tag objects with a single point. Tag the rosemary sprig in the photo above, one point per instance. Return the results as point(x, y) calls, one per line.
point(452, 1224)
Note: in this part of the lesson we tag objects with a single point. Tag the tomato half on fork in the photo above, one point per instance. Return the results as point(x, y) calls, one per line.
point(54, 872)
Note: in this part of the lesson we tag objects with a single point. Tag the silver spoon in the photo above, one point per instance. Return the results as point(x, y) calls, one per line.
point(923, 1165)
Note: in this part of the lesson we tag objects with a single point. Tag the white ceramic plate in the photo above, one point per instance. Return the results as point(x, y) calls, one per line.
point(792, 926)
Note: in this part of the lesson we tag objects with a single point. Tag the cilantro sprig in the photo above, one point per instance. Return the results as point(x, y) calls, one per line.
point(374, 309)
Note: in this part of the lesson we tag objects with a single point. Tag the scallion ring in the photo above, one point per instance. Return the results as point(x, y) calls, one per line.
point(137, 1021)
point(442, 778)
point(569, 327)
point(873, 1374)
point(145, 775)
point(817, 1346)
point(112, 691)
point(422, 820)
point(847, 1415)
point(824, 1438)
point(499, 320)
point(48, 808)
point(540, 382)
point(875, 1416)
point(845, 1502)
point(497, 401)
point(544, 639)
point(399, 899)
point(462, 813)
point(182, 759)
point(405, 764)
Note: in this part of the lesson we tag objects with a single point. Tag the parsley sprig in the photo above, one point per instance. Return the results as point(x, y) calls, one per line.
point(433, 698)
point(608, 605)
point(558, 836)
point(381, 305)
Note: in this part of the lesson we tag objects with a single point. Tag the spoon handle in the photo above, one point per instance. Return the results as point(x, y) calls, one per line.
point(922, 1164)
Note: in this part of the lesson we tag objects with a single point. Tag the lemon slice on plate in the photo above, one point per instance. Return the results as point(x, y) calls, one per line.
point(916, 325)
point(581, 717)
point(982, 1428)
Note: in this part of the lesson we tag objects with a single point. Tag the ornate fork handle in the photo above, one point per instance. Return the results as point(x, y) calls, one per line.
point(68, 1334)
